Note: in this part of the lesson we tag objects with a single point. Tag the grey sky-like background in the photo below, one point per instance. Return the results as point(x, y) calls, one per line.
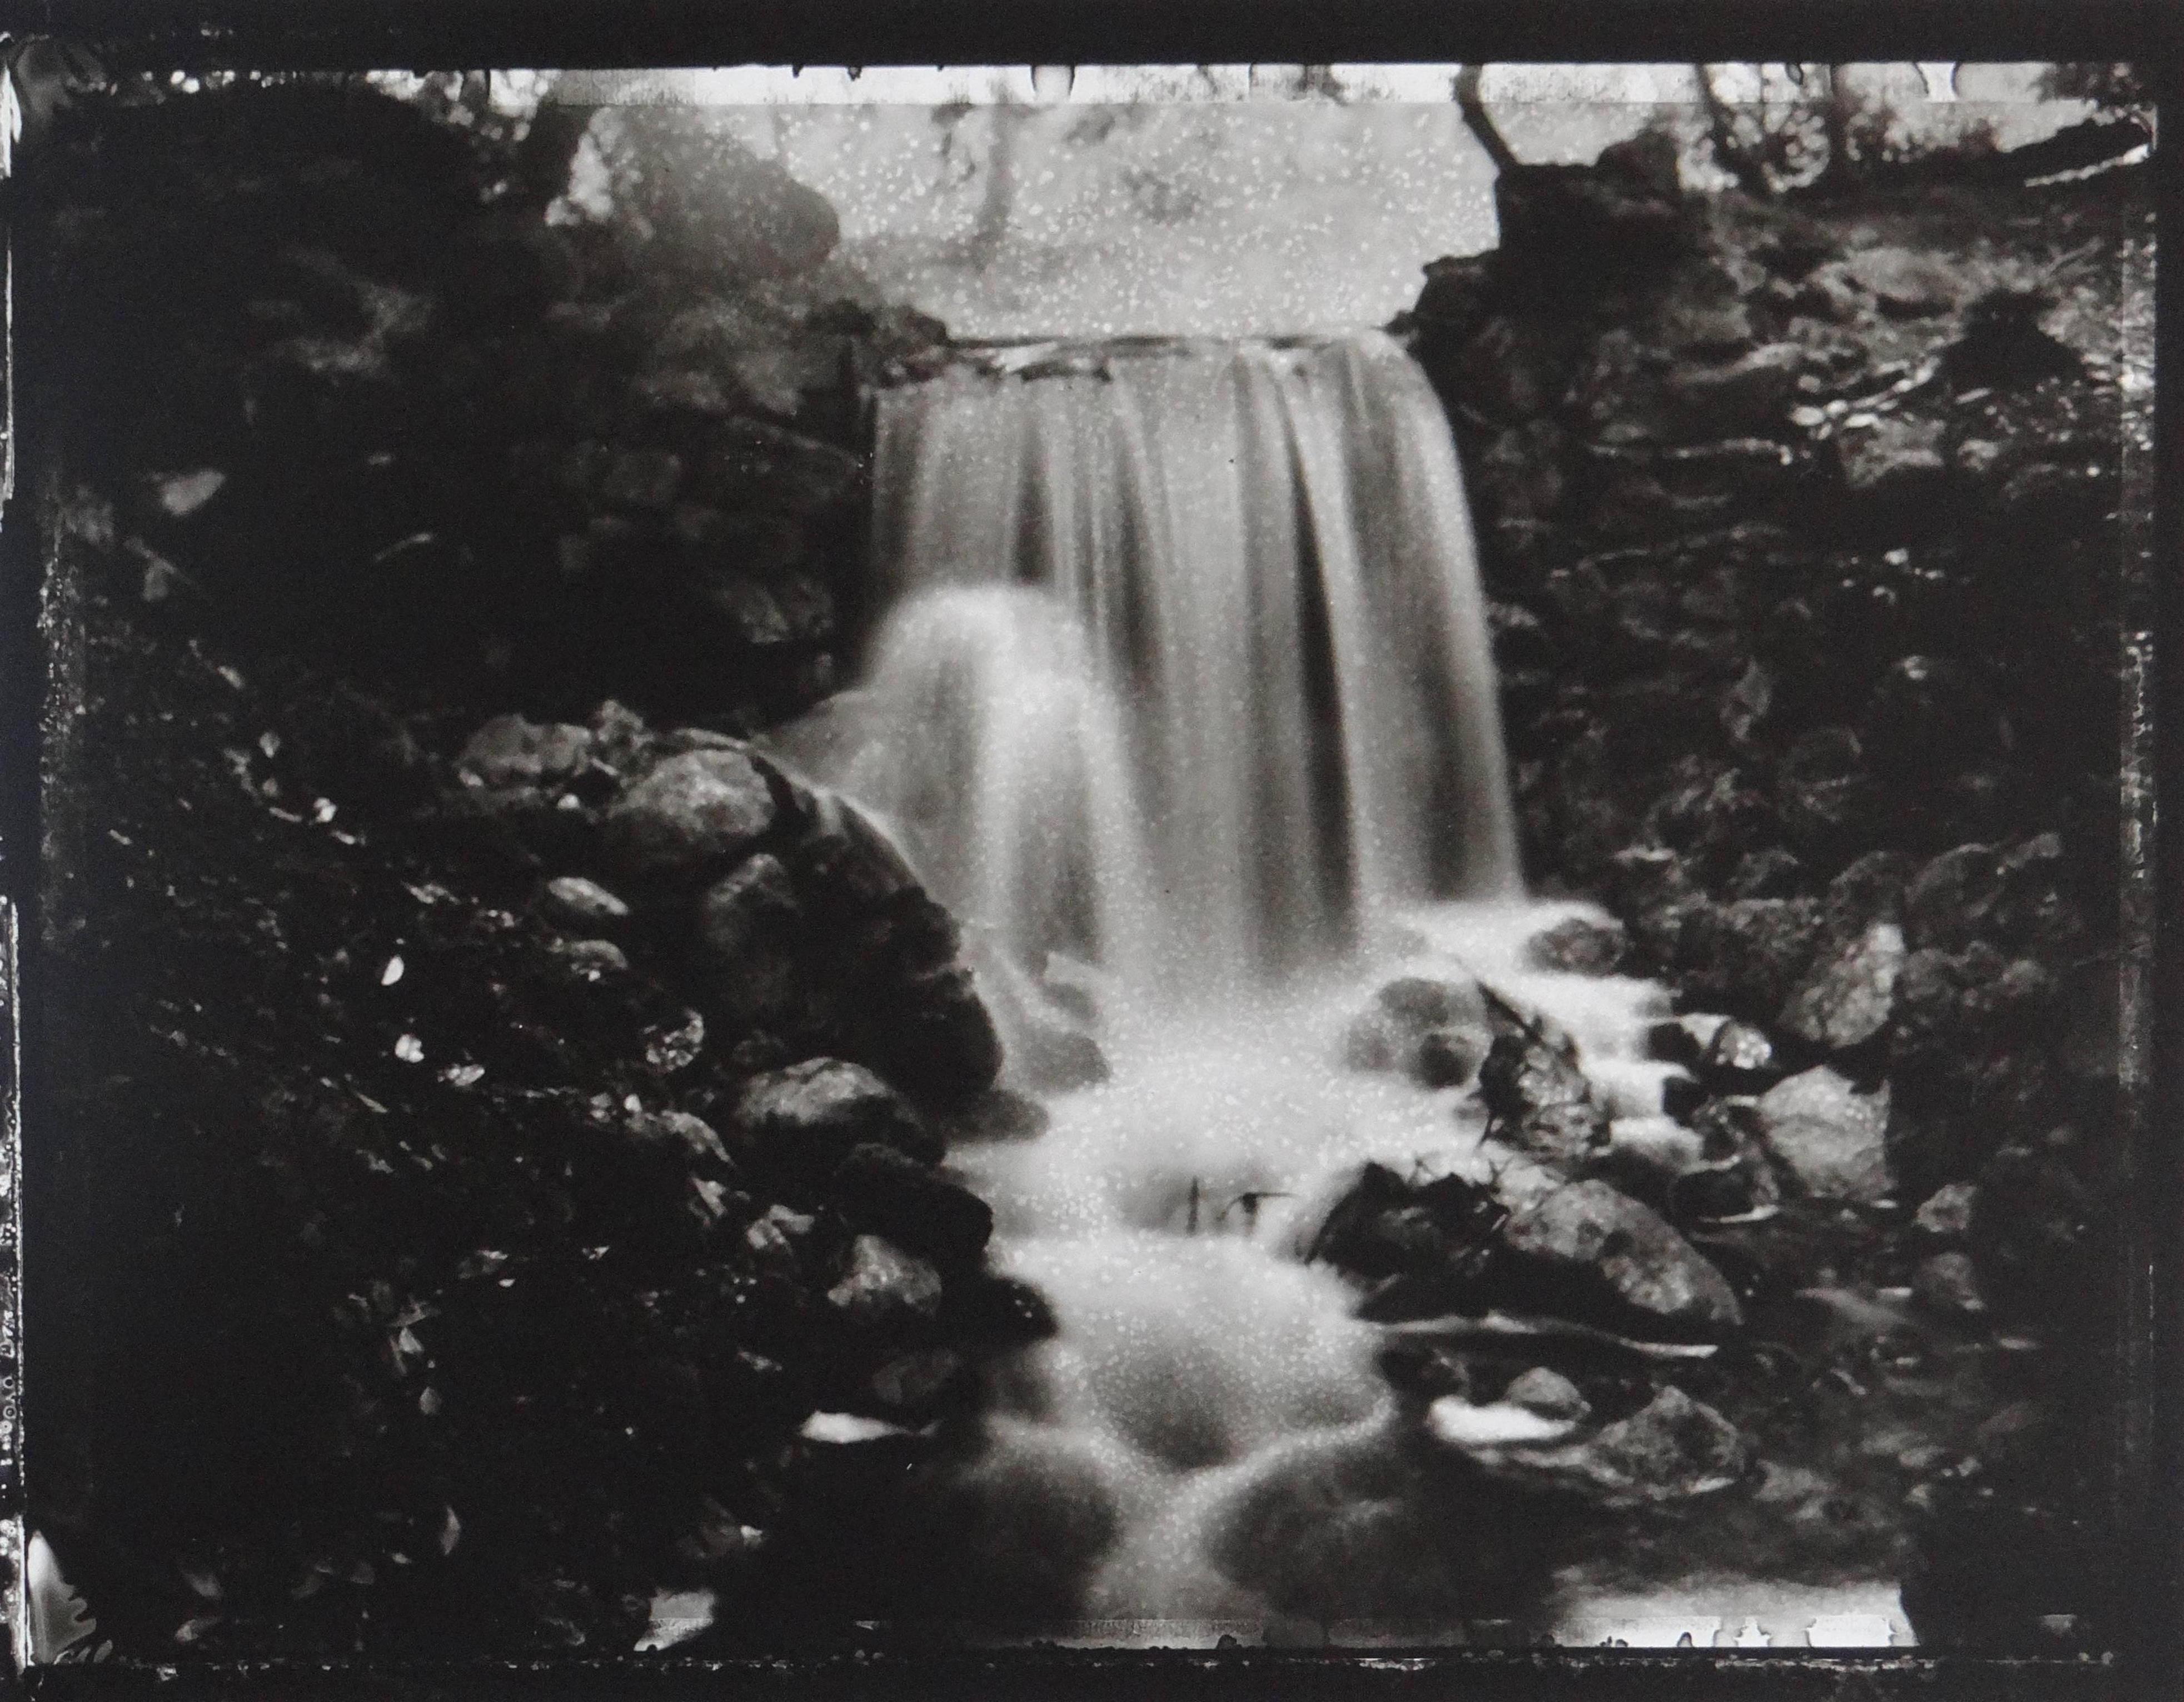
point(1216, 202)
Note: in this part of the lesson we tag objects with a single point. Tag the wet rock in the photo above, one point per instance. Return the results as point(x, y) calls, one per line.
point(809, 1117)
point(1447, 1058)
point(1519, 637)
point(884, 1288)
point(1713, 820)
point(1547, 1393)
point(1614, 1256)
point(989, 1311)
point(510, 751)
point(576, 902)
point(771, 1248)
point(1647, 1155)
point(1848, 997)
point(2038, 1253)
point(1389, 1033)
point(1946, 1213)
point(1681, 1096)
point(1744, 957)
point(1770, 872)
point(1540, 1100)
point(1671, 1449)
point(1739, 1059)
point(750, 925)
point(932, 1032)
point(915, 1207)
point(1049, 1056)
point(1739, 1188)
point(1955, 1009)
point(1948, 1286)
point(1746, 706)
point(1830, 1138)
point(620, 738)
point(1579, 946)
point(1950, 901)
point(999, 1113)
point(700, 808)
point(751, 462)
point(843, 861)
point(749, 608)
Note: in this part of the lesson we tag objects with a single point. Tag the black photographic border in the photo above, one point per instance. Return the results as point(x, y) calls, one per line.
point(355, 35)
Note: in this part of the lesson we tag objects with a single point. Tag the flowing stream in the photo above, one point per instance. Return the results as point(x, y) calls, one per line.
point(1182, 700)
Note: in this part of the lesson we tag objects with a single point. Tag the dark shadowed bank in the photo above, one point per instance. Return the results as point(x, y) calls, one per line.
point(1806, 527)
point(492, 1110)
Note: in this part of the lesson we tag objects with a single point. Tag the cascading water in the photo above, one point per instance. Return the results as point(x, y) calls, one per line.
point(1262, 559)
point(1184, 702)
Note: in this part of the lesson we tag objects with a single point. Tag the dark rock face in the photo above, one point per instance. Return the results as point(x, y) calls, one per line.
point(884, 1191)
point(1746, 956)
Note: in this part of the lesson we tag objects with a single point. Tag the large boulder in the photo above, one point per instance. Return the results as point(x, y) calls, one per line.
point(1590, 1248)
point(1435, 1031)
point(695, 811)
point(1846, 999)
point(749, 927)
point(930, 1030)
point(1975, 893)
point(879, 1189)
point(510, 751)
point(811, 1116)
point(1830, 1138)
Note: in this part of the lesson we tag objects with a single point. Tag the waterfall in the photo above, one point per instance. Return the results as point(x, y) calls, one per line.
point(1187, 666)
point(1183, 701)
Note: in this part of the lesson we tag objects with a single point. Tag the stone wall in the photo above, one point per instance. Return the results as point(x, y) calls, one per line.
point(356, 391)
point(513, 1144)
point(1802, 526)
